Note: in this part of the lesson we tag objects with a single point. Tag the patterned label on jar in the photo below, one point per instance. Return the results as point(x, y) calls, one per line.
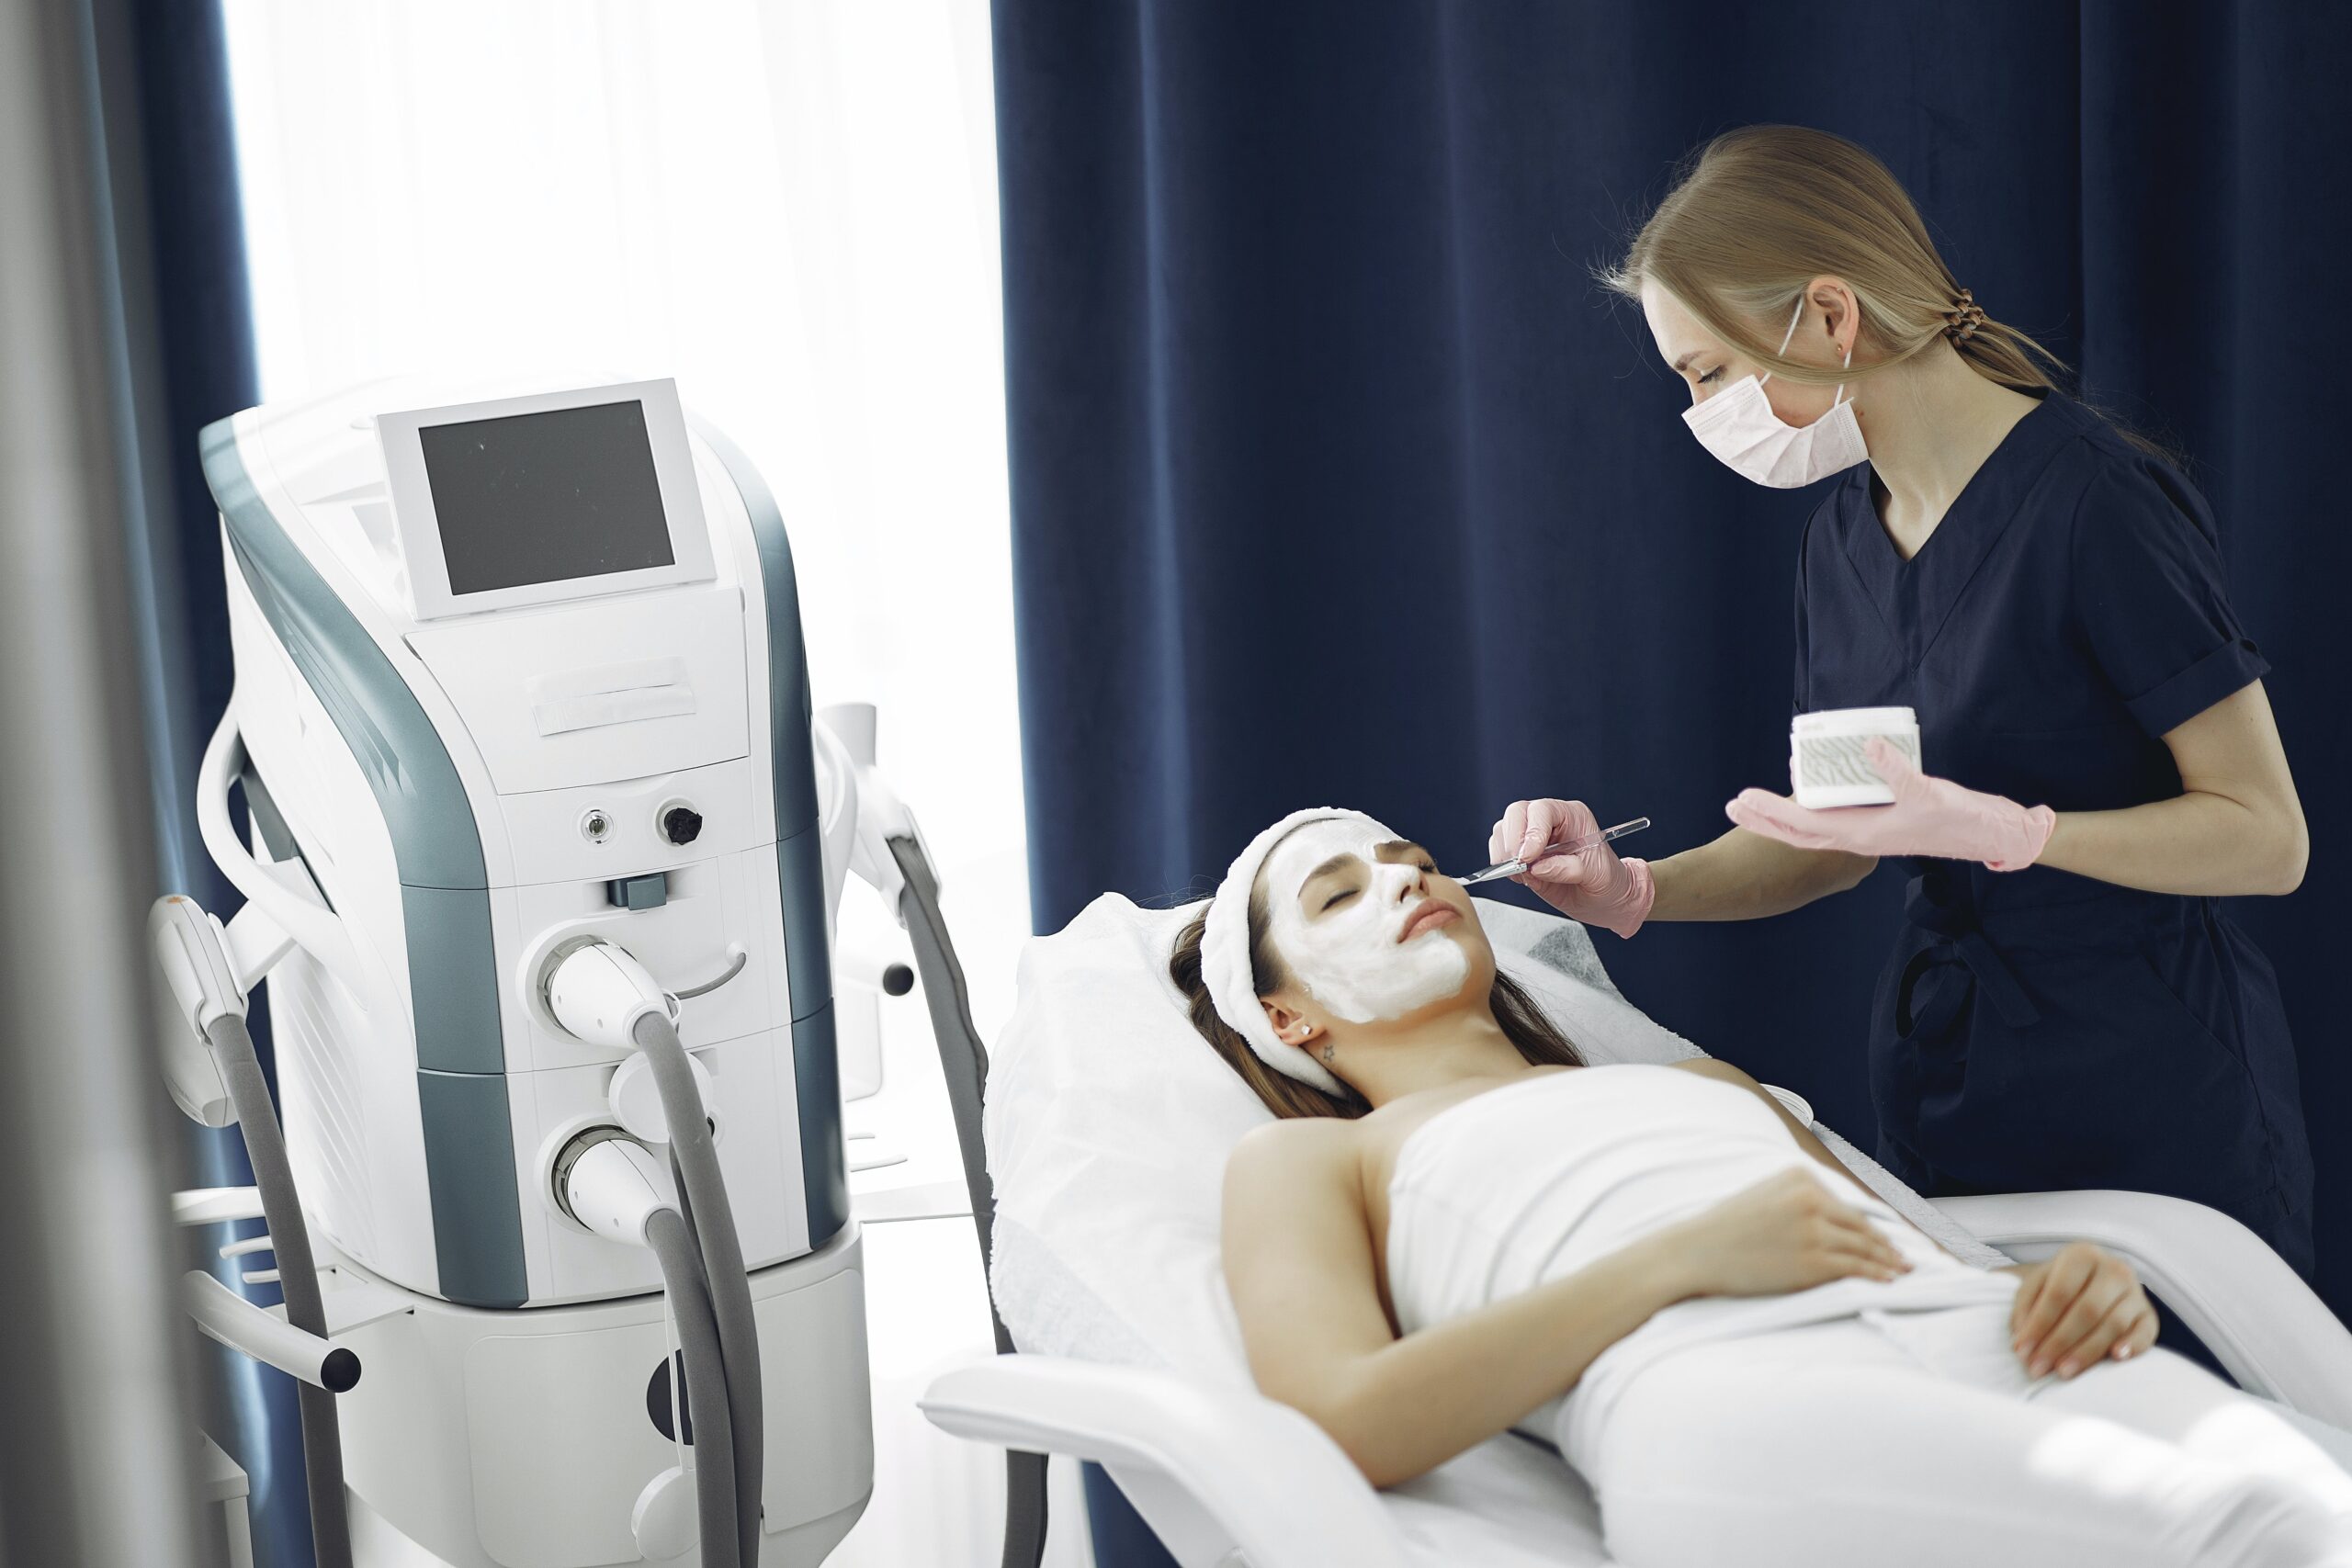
point(1824, 760)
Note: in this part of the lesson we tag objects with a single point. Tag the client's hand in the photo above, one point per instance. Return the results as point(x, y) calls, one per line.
point(2076, 1306)
point(1787, 1232)
point(1595, 885)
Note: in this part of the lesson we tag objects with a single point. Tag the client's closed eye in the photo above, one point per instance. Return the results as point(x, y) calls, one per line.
point(1342, 897)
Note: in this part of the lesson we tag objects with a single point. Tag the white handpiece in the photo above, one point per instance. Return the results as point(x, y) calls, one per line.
point(844, 735)
point(614, 1187)
point(597, 992)
point(203, 985)
point(294, 903)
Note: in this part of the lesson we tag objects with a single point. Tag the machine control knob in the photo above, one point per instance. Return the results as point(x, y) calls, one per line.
point(680, 824)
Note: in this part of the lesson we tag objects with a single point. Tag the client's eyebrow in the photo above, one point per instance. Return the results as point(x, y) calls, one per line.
point(1336, 864)
point(1394, 849)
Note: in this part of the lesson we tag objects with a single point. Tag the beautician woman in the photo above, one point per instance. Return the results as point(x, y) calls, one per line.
point(2069, 1002)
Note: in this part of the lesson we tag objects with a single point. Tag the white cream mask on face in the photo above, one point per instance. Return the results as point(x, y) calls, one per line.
point(1737, 425)
point(1343, 951)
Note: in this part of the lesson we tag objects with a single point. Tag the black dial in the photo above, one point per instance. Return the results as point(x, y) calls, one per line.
point(682, 824)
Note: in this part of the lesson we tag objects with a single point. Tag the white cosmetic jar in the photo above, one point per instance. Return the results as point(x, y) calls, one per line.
point(1827, 763)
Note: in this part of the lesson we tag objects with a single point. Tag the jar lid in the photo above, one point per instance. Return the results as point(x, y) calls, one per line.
point(1855, 721)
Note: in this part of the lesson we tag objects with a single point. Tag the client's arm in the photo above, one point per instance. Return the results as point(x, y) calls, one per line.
point(2077, 1307)
point(1723, 1071)
point(1299, 1258)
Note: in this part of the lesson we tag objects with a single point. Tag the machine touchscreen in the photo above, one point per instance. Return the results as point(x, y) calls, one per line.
point(546, 497)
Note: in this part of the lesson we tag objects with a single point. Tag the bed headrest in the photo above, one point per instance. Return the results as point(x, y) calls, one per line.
point(1109, 1120)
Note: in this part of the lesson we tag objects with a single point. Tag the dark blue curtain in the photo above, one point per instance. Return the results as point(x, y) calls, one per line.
point(188, 358)
point(1337, 481)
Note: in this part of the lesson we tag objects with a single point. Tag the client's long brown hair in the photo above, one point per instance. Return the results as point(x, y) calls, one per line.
point(1522, 1022)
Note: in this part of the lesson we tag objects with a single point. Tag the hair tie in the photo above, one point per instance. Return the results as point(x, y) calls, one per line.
point(1965, 316)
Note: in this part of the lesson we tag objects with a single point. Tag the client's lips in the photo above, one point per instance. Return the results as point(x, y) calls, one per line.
point(1432, 914)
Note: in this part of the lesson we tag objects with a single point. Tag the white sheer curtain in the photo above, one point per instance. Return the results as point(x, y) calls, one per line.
point(791, 207)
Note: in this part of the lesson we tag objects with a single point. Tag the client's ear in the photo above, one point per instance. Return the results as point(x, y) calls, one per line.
point(1291, 1025)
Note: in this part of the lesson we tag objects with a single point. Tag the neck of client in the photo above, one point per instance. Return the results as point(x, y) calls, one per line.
point(1387, 1061)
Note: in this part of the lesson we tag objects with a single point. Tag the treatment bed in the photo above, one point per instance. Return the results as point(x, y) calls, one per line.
point(1106, 1122)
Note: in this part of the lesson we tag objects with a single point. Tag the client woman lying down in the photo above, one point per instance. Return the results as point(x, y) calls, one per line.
point(1456, 1227)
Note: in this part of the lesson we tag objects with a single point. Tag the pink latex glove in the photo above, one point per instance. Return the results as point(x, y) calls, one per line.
point(1930, 816)
point(1595, 885)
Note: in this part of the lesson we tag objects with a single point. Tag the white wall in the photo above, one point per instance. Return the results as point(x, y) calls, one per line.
point(790, 207)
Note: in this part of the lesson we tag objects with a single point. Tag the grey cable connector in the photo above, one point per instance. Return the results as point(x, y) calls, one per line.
point(290, 1238)
point(694, 1158)
point(614, 1184)
point(716, 1473)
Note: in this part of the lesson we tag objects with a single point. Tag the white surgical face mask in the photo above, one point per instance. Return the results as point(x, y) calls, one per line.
point(1737, 425)
point(1347, 955)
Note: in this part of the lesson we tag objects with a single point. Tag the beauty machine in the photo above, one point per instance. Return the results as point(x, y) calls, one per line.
point(537, 874)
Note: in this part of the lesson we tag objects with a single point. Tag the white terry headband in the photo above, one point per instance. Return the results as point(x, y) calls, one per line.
point(1225, 952)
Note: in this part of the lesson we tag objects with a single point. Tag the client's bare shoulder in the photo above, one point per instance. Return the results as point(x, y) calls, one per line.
point(1723, 1072)
point(1303, 1173)
point(1294, 1211)
point(1282, 1155)
point(1716, 1067)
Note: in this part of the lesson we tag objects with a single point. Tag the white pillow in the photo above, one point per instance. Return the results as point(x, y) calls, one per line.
point(1108, 1121)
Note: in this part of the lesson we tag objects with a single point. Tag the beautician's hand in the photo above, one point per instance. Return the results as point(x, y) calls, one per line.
point(1596, 885)
point(2078, 1306)
point(1787, 1232)
point(1930, 816)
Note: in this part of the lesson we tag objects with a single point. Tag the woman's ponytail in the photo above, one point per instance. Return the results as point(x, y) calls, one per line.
point(1760, 212)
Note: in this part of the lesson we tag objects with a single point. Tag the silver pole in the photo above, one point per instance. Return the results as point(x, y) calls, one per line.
point(91, 1379)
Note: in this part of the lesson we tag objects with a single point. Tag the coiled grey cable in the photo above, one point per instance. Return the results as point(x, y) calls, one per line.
point(717, 1502)
point(298, 1278)
point(693, 1159)
point(743, 956)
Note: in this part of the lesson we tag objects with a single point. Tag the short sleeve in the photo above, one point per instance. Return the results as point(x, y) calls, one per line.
point(2147, 579)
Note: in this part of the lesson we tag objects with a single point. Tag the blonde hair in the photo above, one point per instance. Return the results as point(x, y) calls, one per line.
point(1522, 1022)
point(1761, 211)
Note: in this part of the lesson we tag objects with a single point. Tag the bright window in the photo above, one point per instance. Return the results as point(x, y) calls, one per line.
point(789, 207)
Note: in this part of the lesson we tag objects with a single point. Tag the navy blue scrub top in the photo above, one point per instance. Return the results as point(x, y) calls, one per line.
point(2037, 1030)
